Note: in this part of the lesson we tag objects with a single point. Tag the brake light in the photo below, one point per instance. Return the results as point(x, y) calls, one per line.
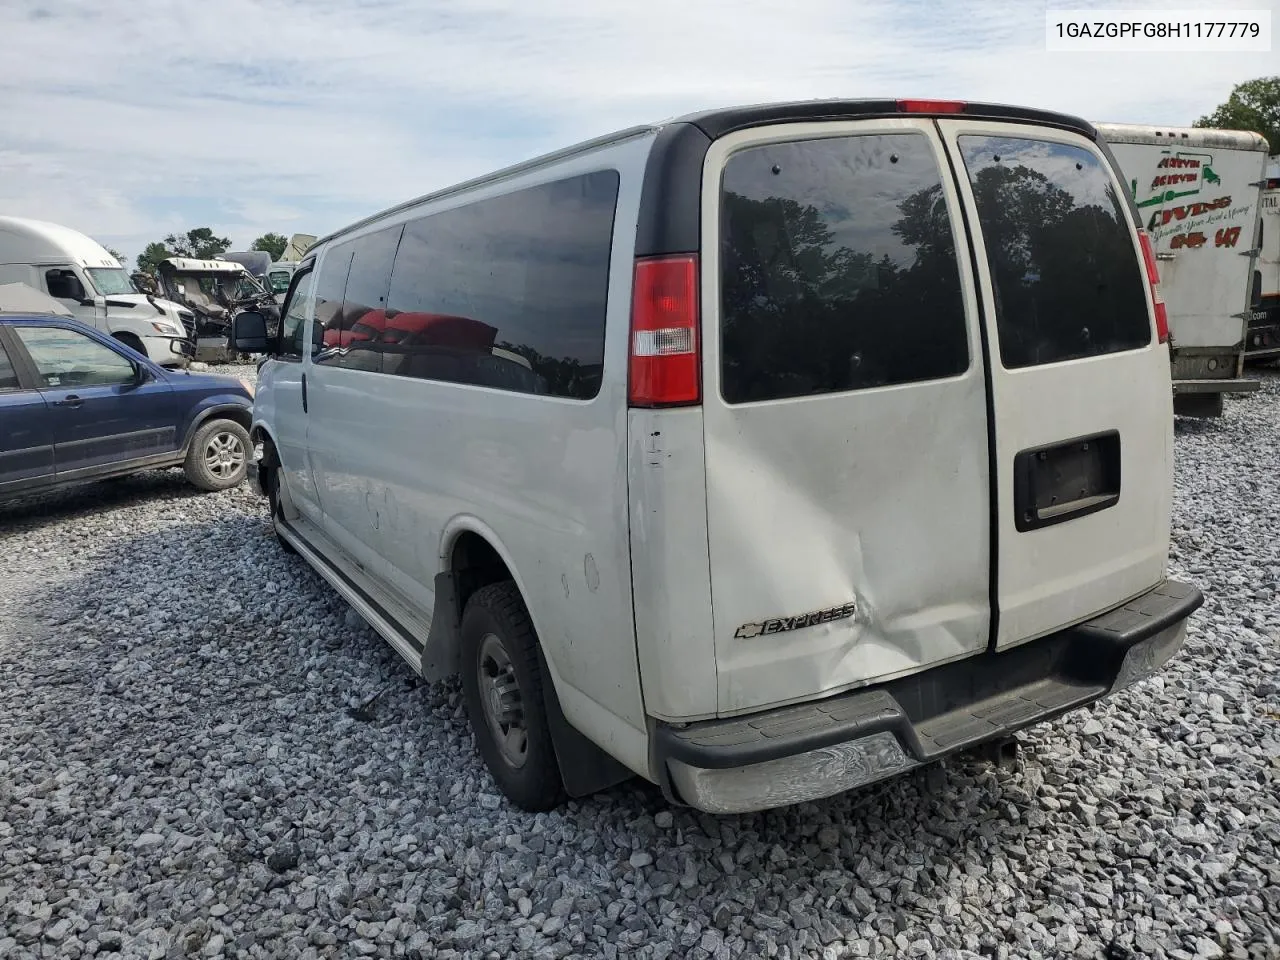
point(665, 362)
point(931, 106)
point(1153, 280)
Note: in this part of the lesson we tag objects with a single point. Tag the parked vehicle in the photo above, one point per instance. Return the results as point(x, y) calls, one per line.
point(764, 453)
point(1263, 339)
point(77, 405)
point(213, 290)
point(278, 276)
point(1198, 192)
point(82, 275)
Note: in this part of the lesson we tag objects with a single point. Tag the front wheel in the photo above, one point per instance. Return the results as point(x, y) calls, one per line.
point(502, 687)
point(218, 458)
point(277, 513)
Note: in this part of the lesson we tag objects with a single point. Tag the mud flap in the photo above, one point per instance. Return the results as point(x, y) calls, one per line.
point(440, 653)
point(584, 767)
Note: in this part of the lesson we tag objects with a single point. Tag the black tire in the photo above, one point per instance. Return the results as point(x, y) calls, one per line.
point(498, 611)
point(211, 473)
point(273, 498)
point(131, 341)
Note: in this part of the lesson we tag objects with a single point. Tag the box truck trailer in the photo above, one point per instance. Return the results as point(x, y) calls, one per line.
point(1198, 194)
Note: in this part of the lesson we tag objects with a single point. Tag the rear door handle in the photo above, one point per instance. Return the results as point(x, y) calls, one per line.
point(71, 400)
point(304, 393)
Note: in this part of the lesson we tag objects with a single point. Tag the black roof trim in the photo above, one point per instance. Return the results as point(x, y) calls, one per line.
point(671, 199)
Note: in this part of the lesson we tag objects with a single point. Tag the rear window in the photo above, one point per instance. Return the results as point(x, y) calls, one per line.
point(1067, 280)
point(838, 269)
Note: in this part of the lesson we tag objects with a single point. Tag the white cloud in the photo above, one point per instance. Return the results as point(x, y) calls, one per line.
point(132, 121)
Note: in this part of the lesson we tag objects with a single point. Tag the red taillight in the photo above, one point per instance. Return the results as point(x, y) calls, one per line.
point(931, 106)
point(1153, 279)
point(665, 368)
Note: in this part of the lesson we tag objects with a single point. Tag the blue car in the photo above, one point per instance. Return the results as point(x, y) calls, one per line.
point(77, 405)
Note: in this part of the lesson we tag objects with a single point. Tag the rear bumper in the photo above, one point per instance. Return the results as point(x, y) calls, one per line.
point(1230, 385)
point(817, 749)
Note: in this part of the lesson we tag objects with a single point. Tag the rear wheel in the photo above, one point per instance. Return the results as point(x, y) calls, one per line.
point(218, 458)
point(502, 687)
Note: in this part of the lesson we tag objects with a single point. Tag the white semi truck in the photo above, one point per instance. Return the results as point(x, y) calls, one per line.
point(83, 276)
point(1198, 194)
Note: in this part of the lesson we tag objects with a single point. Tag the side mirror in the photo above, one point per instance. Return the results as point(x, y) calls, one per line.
point(249, 332)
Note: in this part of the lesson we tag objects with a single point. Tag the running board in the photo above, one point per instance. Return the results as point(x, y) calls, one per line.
point(392, 621)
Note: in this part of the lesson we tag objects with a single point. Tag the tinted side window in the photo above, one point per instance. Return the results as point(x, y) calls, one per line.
point(294, 328)
point(1067, 281)
point(509, 292)
point(356, 340)
point(331, 281)
point(838, 269)
point(8, 376)
point(67, 358)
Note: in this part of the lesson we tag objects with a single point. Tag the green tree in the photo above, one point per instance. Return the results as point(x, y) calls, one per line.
point(149, 258)
point(199, 243)
point(1253, 105)
point(272, 243)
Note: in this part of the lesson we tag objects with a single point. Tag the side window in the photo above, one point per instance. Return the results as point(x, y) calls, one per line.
point(357, 340)
point(293, 327)
point(64, 284)
point(1068, 283)
point(509, 293)
point(8, 376)
point(838, 269)
point(67, 358)
point(331, 281)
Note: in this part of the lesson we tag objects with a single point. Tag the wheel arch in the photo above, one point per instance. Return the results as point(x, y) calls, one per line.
point(473, 556)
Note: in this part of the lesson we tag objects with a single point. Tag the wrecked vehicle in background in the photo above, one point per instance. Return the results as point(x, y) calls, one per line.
point(214, 291)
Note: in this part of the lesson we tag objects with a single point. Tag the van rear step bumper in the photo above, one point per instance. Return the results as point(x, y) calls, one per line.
point(824, 747)
point(1230, 385)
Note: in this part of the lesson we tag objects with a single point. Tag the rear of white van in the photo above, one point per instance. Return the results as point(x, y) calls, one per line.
point(900, 441)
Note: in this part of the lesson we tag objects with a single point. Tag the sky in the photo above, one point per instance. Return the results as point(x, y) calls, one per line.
point(129, 121)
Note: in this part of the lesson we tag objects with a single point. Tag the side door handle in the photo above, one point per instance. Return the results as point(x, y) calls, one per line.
point(70, 400)
point(304, 393)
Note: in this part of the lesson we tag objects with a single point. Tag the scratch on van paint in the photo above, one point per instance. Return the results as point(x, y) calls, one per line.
point(591, 572)
point(564, 582)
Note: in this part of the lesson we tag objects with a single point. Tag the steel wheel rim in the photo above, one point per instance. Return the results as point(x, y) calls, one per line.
point(224, 455)
point(501, 702)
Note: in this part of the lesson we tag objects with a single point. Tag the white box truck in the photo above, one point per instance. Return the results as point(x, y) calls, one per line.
point(1263, 341)
point(1198, 192)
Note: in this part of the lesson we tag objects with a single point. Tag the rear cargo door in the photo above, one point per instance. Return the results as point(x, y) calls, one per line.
point(1081, 393)
point(844, 405)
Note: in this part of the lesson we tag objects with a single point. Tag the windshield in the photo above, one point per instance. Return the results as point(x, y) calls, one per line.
point(110, 281)
point(279, 280)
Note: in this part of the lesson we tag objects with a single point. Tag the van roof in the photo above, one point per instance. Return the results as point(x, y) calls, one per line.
point(38, 240)
point(718, 122)
point(1182, 136)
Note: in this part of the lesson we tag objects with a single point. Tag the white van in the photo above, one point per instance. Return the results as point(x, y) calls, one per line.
point(1198, 193)
point(840, 440)
point(1263, 338)
point(75, 270)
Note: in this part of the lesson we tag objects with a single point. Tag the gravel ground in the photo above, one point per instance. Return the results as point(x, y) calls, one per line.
point(192, 764)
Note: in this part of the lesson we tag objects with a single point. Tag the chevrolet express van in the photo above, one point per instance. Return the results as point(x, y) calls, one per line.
point(84, 277)
point(763, 453)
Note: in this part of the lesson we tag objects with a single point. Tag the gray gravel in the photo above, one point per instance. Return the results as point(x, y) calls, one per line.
point(187, 768)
